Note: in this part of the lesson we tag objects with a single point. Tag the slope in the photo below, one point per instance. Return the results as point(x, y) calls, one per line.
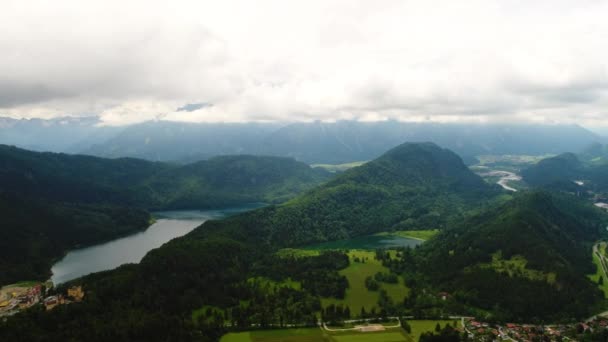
point(53, 202)
point(413, 186)
point(152, 185)
point(525, 260)
point(589, 169)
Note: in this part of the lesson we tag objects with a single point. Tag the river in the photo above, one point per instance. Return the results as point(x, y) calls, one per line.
point(505, 178)
point(132, 248)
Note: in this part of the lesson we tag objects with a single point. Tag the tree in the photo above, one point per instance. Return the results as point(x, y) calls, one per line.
point(406, 326)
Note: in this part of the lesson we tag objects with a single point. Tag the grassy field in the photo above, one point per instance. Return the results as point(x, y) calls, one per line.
point(384, 336)
point(416, 234)
point(511, 160)
point(282, 335)
point(516, 266)
point(318, 335)
point(265, 282)
point(422, 326)
point(295, 252)
point(199, 312)
point(357, 295)
point(315, 335)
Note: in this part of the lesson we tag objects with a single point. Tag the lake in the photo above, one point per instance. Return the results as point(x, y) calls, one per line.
point(368, 242)
point(132, 248)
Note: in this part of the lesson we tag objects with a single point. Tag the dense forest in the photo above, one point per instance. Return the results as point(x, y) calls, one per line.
point(589, 168)
point(218, 182)
point(53, 202)
point(525, 260)
point(413, 186)
point(35, 233)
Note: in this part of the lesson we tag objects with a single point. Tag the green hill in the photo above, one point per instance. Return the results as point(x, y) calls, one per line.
point(220, 181)
point(52, 202)
point(525, 260)
point(561, 172)
point(230, 180)
point(413, 186)
point(34, 233)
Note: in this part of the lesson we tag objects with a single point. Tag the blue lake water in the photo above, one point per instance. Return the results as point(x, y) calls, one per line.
point(132, 248)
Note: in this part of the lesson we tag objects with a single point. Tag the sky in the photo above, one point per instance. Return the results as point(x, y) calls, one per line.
point(445, 61)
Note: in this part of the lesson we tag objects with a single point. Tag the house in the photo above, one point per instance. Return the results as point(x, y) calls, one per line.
point(76, 293)
point(52, 301)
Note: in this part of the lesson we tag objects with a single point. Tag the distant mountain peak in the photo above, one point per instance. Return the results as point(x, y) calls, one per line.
point(191, 107)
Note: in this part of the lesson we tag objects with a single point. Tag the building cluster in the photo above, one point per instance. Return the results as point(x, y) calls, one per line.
point(19, 298)
point(74, 294)
point(479, 331)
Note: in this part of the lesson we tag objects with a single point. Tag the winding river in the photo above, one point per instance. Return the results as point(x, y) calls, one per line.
point(132, 248)
point(505, 178)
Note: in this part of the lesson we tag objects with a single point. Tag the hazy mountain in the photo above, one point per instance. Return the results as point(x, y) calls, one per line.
point(589, 169)
point(66, 134)
point(183, 142)
point(334, 143)
point(349, 141)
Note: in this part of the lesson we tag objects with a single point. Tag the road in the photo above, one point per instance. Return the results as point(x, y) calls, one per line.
point(603, 260)
point(604, 265)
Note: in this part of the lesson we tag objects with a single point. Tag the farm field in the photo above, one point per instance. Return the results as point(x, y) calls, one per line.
point(318, 335)
point(281, 335)
point(357, 295)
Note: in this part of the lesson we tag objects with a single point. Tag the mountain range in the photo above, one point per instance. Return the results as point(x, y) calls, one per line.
point(315, 142)
point(517, 257)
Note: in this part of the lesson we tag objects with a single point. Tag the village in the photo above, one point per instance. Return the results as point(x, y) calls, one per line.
point(22, 296)
point(480, 331)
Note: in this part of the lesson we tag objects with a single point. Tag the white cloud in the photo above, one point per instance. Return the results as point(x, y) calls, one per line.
point(542, 61)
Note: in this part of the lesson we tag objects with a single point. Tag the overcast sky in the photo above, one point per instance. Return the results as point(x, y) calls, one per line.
point(128, 61)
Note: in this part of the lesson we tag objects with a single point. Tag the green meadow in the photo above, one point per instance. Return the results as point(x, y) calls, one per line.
point(319, 335)
point(357, 295)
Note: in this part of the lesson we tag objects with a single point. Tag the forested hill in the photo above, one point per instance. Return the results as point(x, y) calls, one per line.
point(561, 172)
point(562, 169)
point(525, 260)
point(217, 182)
point(52, 202)
point(229, 180)
point(34, 232)
point(213, 266)
point(413, 186)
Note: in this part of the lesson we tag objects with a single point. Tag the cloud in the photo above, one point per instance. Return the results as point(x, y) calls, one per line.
point(542, 61)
